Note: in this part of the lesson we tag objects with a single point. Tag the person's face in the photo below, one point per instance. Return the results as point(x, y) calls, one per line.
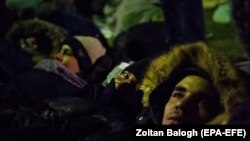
point(193, 101)
point(65, 55)
point(125, 89)
point(29, 45)
point(125, 78)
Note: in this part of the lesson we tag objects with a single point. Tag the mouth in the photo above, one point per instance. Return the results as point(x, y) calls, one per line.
point(175, 120)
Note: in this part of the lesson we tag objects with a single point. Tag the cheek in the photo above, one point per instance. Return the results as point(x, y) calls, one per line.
point(170, 104)
point(119, 82)
point(204, 115)
point(69, 61)
point(168, 108)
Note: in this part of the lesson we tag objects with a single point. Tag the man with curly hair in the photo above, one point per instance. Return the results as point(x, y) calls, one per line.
point(37, 37)
point(50, 101)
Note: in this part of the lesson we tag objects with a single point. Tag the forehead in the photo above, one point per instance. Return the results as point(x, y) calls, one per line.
point(194, 83)
point(65, 47)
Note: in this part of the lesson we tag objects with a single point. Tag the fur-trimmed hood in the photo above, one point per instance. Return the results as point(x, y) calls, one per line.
point(222, 73)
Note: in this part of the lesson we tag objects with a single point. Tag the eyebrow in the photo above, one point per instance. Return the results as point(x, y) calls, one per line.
point(180, 88)
point(204, 94)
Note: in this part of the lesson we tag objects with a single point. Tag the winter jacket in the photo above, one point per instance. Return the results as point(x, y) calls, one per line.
point(52, 104)
point(65, 119)
point(224, 76)
point(48, 79)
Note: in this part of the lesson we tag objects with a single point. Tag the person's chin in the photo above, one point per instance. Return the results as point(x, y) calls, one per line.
point(172, 122)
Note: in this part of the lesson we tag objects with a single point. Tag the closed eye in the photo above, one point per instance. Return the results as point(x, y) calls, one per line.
point(177, 94)
point(67, 52)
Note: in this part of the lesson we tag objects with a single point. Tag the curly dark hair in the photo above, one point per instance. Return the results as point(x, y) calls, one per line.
point(49, 37)
point(241, 16)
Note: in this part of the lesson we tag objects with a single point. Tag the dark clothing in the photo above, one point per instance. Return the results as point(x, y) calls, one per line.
point(65, 119)
point(8, 58)
point(32, 87)
point(40, 105)
point(80, 26)
point(136, 43)
point(5, 75)
point(101, 68)
point(147, 117)
point(184, 21)
point(241, 115)
point(6, 23)
point(61, 13)
point(125, 100)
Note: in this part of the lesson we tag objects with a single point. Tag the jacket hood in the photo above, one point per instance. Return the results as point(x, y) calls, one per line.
point(208, 63)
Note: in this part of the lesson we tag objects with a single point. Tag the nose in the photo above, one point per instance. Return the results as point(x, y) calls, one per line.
point(186, 103)
point(59, 56)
